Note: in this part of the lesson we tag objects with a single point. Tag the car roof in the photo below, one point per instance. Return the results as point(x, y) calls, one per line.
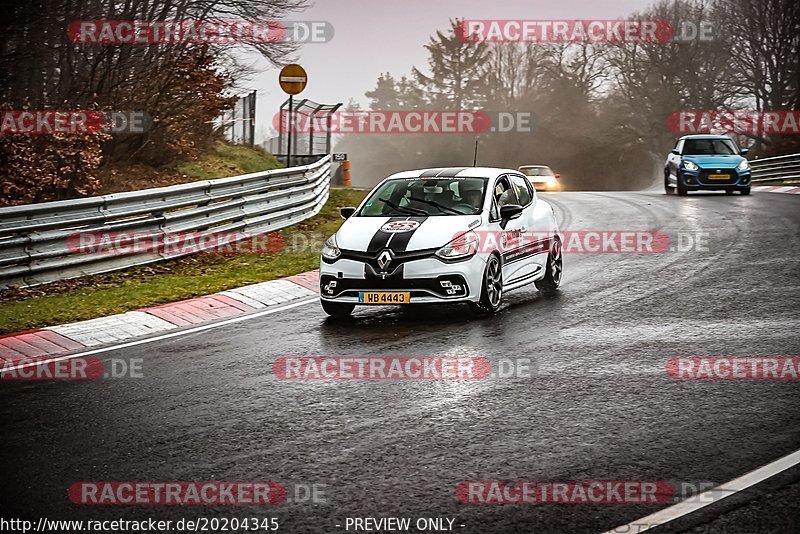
point(534, 167)
point(706, 136)
point(453, 172)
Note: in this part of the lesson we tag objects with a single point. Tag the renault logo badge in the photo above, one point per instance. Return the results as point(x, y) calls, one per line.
point(384, 259)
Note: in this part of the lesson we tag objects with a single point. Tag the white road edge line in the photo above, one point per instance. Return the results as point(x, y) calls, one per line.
point(711, 496)
point(159, 337)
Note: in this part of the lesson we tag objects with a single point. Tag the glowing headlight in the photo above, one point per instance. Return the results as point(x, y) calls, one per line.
point(743, 166)
point(689, 166)
point(461, 247)
point(331, 250)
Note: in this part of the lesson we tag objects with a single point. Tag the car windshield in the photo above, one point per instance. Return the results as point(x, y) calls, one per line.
point(708, 147)
point(537, 171)
point(426, 196)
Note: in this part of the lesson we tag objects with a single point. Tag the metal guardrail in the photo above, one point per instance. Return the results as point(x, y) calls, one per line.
point(37, 240)
point(776, 169)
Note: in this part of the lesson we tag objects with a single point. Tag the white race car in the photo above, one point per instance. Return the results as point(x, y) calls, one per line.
point(435, 235)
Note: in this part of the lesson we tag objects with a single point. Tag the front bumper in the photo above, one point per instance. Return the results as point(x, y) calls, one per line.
point(427, 279)
point(699, 180)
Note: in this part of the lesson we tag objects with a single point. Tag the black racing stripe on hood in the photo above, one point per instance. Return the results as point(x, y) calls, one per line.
point(431, 172)
point(399, 242)
point(450, 173)
point(381, 238)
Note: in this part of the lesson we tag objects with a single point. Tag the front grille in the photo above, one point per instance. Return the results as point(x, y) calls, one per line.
point(398, 258)
point(704, 179)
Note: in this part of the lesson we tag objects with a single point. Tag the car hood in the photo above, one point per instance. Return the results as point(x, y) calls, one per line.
point(731, 160)
point(402, 234)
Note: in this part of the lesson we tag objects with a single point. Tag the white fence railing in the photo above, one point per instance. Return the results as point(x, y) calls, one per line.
point(776, 169)
point(37, 240)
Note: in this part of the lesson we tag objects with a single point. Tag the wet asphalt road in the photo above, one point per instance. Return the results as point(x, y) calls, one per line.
point(598, 406)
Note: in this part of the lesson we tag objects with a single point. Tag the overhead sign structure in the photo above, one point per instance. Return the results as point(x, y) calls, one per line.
point(293, 79)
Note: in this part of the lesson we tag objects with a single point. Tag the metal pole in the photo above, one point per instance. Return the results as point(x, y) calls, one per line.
point(289, 148)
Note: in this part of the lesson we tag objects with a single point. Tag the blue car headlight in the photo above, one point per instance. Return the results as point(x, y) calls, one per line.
point(689, 166)
point(743, 166)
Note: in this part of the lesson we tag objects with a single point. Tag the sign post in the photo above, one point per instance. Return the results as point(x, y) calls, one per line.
point(293, 80)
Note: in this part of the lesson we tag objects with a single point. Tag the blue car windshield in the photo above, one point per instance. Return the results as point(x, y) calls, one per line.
point(426, 197)
point(708, 147)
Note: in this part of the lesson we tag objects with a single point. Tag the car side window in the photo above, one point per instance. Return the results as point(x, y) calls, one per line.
point(522, 187)
point(504, 193)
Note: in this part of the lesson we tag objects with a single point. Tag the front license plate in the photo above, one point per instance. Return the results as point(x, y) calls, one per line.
point(719, 176)
point(384, 297)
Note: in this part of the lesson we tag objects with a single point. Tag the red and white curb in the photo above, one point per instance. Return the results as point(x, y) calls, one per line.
point(36, 346)
point(791, 189)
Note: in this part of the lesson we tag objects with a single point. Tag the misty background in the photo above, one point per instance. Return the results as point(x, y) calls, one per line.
point(600, 110)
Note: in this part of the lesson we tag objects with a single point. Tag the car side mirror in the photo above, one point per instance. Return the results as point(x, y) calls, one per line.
point(558, 176)
point(744, 151)
point(508, 212)
point(347, 212)
point(676, 151)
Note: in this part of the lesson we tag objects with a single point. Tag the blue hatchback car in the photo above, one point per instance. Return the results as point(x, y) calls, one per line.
point(707, 162)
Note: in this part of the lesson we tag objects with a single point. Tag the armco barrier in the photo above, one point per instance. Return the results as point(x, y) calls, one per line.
point(34, 238)
point(776, 169)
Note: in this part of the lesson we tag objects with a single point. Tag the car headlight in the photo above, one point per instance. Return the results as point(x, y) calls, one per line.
point(743, 166)
point(461, 247)
point(689, 166)
point(331, 250)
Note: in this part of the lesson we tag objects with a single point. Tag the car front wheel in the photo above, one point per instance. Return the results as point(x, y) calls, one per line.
point(337, 309)
point(492, 288)
point(681, 187)
point(745, 191)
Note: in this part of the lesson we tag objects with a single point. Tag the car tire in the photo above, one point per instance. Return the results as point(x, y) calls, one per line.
point(681, 187)
point(745, 191)
point(668, 189)
point(729, 191)
point(552, 274)
point(491, 287)
point(338, 310)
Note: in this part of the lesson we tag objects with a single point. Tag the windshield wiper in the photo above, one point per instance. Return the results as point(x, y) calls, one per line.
point(407, 209)
point(436, 205)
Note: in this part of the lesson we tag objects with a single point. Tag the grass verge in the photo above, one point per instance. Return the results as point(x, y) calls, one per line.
point(183, 278)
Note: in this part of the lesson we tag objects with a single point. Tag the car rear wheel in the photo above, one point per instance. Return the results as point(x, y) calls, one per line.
point(492, 288)
point(337, 309)
point(552, 274)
